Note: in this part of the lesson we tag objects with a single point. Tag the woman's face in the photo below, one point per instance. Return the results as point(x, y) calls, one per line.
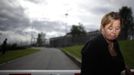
point(112, 30)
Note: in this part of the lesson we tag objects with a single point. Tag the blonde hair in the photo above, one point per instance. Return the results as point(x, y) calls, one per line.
point(108, 18)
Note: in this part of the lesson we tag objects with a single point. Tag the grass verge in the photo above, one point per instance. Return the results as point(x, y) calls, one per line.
point(10, 55)
point(127, 49)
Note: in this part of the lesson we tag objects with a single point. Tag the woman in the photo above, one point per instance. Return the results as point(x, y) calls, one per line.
point(101, 55)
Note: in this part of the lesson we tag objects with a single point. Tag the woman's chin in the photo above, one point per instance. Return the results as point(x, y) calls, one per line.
point(112, 39)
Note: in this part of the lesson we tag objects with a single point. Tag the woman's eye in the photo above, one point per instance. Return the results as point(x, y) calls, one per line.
point(117, 28)
point(110, 28)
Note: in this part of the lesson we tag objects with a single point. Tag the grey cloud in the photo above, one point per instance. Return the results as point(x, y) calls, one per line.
point(104, 6)
point(100, 10)
point(38, 1)
point(129, 3)
point(11, 16)
point(14, 37)
point(91, 27)
point(12, 20)
point(49, 26)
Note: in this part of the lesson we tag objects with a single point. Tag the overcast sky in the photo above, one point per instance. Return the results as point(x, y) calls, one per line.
point(20, 18)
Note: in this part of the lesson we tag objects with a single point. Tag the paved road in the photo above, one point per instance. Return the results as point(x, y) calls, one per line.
point(45, 59)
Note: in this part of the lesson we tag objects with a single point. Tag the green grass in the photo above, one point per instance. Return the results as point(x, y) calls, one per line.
point(127, 49)
point(10, 55)
point(74, 50)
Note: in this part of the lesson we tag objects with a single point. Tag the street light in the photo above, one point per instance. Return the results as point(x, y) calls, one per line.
point(66, 15)
point(64, 39)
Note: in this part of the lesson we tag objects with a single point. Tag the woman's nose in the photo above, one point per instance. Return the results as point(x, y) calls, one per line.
point(114, 31)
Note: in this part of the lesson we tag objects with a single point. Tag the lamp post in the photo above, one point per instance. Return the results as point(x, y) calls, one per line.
point(65, 39)
point(66, 15)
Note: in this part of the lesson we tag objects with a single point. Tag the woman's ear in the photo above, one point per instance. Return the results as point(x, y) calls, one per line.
point(101, 30)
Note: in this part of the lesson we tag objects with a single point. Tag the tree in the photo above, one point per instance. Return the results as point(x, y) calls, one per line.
point(77, 30)
point(40, 39)
point(126, 21)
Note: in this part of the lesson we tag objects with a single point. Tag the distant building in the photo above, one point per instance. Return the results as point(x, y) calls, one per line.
point(68, 40)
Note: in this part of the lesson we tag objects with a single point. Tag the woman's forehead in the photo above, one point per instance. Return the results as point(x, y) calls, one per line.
point(114, 23)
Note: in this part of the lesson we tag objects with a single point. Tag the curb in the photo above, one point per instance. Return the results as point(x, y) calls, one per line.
point(73, 58)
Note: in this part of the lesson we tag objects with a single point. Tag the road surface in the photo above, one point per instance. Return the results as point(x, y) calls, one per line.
point(45, 59)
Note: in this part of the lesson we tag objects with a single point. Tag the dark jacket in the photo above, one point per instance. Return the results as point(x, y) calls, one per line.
point(96, 59)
